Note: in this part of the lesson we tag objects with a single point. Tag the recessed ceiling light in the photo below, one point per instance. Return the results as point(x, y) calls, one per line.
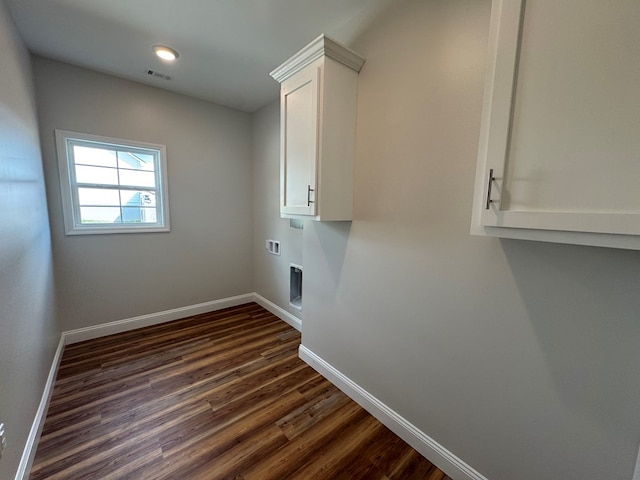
point(165, 53)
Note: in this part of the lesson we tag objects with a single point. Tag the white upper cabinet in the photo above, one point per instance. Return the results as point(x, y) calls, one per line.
point(318, 120)
point(559, 154)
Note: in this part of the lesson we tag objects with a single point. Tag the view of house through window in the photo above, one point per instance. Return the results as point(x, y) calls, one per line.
point(98, 171)
point(111, 185)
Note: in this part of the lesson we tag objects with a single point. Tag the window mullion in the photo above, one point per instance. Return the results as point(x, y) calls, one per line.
point(119, 190)
point(106, 186)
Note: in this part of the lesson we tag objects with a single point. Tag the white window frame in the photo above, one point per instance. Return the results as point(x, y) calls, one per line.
point(69, 186)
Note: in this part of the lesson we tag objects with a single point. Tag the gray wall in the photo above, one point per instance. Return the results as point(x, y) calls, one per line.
point(519, 357)
point(271, 271)
point(208, 254)
point(28, 333)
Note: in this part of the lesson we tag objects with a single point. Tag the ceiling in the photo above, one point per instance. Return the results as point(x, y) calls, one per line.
point(227, 47)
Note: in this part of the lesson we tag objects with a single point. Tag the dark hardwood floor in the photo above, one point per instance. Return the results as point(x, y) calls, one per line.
point(220, 395)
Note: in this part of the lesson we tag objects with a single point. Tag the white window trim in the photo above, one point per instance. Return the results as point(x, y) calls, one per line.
point(68, 189)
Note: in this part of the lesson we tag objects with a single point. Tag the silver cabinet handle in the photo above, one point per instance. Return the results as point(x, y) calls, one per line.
point(309, 190)
point(491, 179)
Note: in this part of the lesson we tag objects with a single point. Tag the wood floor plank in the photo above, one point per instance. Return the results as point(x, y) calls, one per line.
point(311, 413)
point(186, 459)
point(232, 462)
point(336, 456)
point(299, 452)
point(220, 395)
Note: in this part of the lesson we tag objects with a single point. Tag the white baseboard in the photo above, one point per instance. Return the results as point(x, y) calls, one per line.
point(29, 451)
point(436, 453)
point(125, 325)
point(292, 320)
point(119, 326)
point(427, 446)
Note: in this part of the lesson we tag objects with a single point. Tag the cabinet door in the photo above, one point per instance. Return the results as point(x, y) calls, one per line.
point(299, 142)
point(561, 127)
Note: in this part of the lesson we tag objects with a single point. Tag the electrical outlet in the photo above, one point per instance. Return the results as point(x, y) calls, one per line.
point(273, 246)
point(3, 439)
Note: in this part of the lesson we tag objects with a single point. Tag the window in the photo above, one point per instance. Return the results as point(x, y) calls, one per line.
point(111, 185)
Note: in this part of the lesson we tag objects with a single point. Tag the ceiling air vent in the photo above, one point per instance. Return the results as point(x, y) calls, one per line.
point(156, 74)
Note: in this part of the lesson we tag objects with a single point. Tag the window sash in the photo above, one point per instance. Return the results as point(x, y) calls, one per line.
point(150, 217)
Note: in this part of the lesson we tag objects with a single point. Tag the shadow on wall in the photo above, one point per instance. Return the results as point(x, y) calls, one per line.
point(333, 238)
point(587, 321)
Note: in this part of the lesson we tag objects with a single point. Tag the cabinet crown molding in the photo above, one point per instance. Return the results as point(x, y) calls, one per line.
point(321, 46)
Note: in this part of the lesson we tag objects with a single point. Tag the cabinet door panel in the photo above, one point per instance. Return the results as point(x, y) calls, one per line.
point(564, 117)
point(299, 111)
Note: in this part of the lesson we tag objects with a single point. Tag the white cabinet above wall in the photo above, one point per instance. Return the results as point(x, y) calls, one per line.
point(318, 127)
point(559, 154)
